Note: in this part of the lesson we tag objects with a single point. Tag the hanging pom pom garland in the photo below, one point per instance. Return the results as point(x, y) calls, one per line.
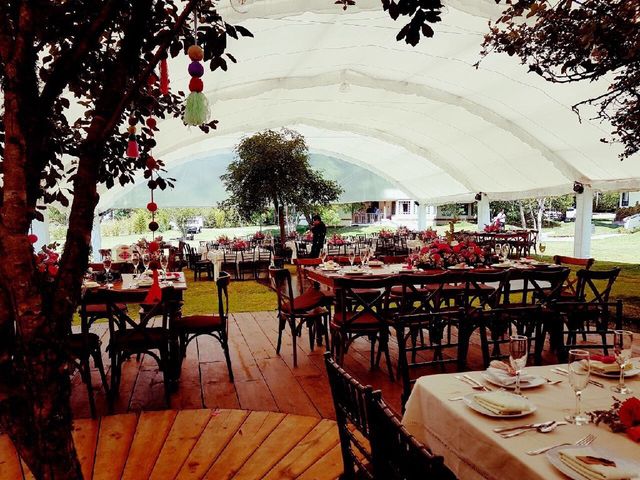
point(196, 111)
point(132, 145)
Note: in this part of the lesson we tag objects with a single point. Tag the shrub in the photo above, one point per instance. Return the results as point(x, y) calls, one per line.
point(625, 212)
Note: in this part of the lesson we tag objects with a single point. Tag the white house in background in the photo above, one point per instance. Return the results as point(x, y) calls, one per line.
point(405, 212)
point(629, 199)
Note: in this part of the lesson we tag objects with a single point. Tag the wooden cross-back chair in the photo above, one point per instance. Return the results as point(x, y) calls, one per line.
point(189, 327)
point(362, 310)
point(570, 285)
point(307, 309)
point(424, 309)
point(130, 336)
point(395, 453)
point(350, 403)
point(591, 313)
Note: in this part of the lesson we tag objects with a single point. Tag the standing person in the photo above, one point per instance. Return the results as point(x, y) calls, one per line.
point(501, 219)
point(319, 232)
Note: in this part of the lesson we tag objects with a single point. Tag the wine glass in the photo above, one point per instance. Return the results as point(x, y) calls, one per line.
point(146, 259)
point(135, 260)
point(518, 352)
point(164, 263)
point(106, 263)
point(622, 341)
point(542, 247)
point(506, 250)
point(323, 254)
point(352, 258)
point(579, 371)
point(364, 256)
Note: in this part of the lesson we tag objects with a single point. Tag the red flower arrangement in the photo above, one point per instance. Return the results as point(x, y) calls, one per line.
point(402, 231)
point(385, 233)
point(624, 416)
point(441, 254)
point(223, 240)
point(492, 228)
point(428, 235)
point(47, 261)
point(307, 236)
point(258, 236)
point(336, 240)
point(238, 244)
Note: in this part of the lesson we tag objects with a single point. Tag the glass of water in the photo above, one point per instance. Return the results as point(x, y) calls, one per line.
point(622, 342)
point(518, 352)
point(579, 372)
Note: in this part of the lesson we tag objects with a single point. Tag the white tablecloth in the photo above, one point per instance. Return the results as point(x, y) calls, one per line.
point(473, 451)
point(294, 248)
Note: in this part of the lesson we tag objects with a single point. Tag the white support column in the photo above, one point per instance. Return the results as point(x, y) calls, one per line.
point(422, 216)
point(584, 213)
point(41, 230)
point(484, 212)
point(96, 238)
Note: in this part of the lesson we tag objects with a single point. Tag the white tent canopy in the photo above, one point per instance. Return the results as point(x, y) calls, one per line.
point(424, 118)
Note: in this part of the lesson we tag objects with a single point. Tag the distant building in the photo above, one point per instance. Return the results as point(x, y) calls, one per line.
point(629, 199)
point(405, 212)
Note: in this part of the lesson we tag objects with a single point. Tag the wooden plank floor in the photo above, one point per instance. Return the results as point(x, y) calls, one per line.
point(264, 381)
point(198, 444)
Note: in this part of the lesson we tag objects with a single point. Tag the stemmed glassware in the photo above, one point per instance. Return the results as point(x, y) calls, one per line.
point(364, 257)
point(579, 368)
point(622, 342)
point(135, 260)
point(146, 259)
point(106, 263)
point(323, 254)
point(164, 263)
point(518, 352)
point(352, 258)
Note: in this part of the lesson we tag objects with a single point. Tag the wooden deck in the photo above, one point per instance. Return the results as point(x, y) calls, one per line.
point(198, 444)
point(264, 381)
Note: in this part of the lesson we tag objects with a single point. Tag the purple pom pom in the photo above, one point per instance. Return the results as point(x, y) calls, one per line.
point(196, 69)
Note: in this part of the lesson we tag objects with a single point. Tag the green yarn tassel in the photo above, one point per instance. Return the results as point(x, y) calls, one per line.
point(196, 112)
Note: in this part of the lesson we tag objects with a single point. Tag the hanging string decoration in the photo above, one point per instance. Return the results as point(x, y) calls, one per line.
point(196, 111)
point(132, 146)
point(164, 77)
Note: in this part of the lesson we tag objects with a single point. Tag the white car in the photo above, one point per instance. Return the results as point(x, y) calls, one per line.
point(570, 215)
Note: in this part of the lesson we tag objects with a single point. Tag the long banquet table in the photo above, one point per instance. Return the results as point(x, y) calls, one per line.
point(473, 451)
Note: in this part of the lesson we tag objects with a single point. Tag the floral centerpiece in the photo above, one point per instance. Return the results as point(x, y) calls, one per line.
point(428, 235)
point(336, 240)
point(239, 244)
point(292, 235)
point(439, 254)
point(624, 416)
point(492, 228)
point(258, 236)
point(224, 240)
point(385, 233)
point(47, 261)
point(141, 246)
point(402, 231)
point(307, 236)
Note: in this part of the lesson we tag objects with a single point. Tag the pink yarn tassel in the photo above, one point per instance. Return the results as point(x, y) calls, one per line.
point(132, 149)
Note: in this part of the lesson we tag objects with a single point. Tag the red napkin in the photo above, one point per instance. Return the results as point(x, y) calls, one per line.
point(603, 358)
point(155, 292)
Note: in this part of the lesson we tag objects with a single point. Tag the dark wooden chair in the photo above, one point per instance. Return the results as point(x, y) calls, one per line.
point(246, 263)
point(93, 307)
point(134, 337)
point(591, 313)
point(188, 328)
point(263, 259)
point(569, 287)
point(307, 309)
point(350, 403)
point(230, 263)
point(395, 453)
point(82, 347)
point(362, 310)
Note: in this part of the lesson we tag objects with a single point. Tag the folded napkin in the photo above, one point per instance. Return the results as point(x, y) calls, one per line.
point(502, 403)
point(505, 378)
point(91, 284)
point(589, 463)
point(605, 367)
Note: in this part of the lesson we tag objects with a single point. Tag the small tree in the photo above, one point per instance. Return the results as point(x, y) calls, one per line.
point(273, 168)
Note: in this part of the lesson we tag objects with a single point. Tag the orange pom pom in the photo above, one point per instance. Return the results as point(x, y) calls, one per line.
point(195, 53)
point(131, 129)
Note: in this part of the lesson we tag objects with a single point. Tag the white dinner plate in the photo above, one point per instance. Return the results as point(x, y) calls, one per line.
point(455, 267)
point(502, 265)
point(535, 382)
point(553, 456)
point(472, 404)
point(627, 373)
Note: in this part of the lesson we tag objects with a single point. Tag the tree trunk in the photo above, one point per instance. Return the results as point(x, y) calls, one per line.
point(523, 219)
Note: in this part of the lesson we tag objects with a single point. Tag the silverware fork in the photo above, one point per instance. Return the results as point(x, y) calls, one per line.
point(583, 442)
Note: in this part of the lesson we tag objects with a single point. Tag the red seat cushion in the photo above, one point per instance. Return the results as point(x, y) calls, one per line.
point(199, 321)
point(309, 300)
point(101, 308)
point(365, 320)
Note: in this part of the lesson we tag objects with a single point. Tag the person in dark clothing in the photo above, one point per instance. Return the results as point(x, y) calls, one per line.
point(319, 232)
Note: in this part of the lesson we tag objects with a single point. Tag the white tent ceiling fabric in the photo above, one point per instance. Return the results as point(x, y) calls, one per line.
point(424, 118)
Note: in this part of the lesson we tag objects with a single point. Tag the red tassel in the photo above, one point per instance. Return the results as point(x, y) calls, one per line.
point(132, 149)
point(155, 292)
point(164, 77)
